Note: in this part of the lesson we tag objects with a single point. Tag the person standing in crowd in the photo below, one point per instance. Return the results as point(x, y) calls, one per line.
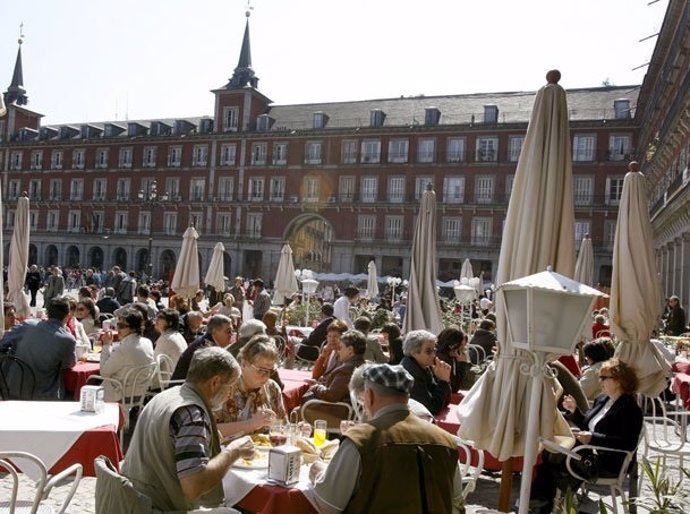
point(55, 286)
point(262, 300)
point(33, 283)
point(238, 293)
point(359, 478)
point(675, 321)
point(341, 307)
point(177, 426)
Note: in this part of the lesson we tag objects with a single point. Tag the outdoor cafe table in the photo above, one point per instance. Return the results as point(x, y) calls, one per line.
point(60, 434)
point(75, 377)
point(250, 490)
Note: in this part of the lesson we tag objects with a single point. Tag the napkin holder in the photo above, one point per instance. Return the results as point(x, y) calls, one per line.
point(92, 399)
point(284, 464)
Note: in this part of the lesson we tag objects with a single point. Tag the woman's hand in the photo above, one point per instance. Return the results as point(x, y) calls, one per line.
point(584, 437)
point(569, 403)
point(263, 418)
point(441, 370)
point(106, 338)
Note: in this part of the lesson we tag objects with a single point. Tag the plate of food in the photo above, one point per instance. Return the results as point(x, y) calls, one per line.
point(260, 460)
point(92, 357)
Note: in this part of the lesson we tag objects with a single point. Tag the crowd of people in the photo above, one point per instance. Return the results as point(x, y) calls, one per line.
point(226, 348)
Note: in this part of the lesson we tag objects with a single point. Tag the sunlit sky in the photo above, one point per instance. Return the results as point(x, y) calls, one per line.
point(87, 60)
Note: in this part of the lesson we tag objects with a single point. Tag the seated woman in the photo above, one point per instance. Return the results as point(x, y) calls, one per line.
point(614, 421)
point(255, 400)
point(595, 352)
point(170, 342)
point(227, 308)
point(74, 327)
point(87, 313)
point(133, 351)
point(328, 357)
point(485, 336)
point(391, 335)
point(452, 349)
point(431, 375)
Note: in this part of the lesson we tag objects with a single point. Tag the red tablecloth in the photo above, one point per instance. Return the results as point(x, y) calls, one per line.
point(91, 444)
point(75, 377)
point(273, 499)
point(292, 379)
point(681, 386)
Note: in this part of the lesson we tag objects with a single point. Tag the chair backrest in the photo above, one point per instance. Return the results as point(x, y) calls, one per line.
point(8, 461)
point(115, 494)
point(477, 353)
point(357, 407)
point(17, 379)
point(136, 382)
point(332, 412)
point(164, 369)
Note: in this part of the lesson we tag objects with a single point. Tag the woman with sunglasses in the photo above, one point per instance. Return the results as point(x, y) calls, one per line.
point(614, 421)
point(87, 314)
point(451, 348)
point(431, 375)
point(255, 400)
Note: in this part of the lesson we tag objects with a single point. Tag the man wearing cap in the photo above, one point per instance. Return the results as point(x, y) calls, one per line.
point(393, 438)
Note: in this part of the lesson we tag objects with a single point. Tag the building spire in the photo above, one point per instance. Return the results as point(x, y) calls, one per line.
point(244, 74)
point(16, 93)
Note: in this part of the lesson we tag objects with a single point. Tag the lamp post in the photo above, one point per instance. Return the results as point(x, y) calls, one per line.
point(393, 282)
point(464, 294)
point(546, 313)
point(151, 199)
point(309, 286)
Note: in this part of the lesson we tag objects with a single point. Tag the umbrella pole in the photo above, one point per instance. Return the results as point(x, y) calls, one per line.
point(530, 451)
point(506, 487)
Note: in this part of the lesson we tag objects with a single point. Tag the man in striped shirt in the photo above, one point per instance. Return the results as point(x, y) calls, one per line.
point(175, 457)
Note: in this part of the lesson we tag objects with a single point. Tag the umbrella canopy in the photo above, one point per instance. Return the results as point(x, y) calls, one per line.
point(423, 307)
point(636, 295)
point(285, 284)
point(186, 279)
point(466, 271)
point(584, 267)
point(372, 281)
point(538, 232)
point(215, 275)
point(19, 259)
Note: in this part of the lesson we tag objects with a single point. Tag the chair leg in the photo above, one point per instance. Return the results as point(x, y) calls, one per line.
point(614, 499)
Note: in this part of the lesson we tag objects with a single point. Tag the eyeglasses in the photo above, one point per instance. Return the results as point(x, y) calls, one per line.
point(264, 372)
point(603, 378)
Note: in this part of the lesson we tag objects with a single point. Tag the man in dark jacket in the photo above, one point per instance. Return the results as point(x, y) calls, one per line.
point(309, 348)
point(33, 283)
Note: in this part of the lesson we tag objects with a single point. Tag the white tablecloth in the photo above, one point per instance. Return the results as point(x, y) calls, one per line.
point(48, 429)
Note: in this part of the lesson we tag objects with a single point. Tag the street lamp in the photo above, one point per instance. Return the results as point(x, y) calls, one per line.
point(465, 295)
point(151, 199)
point(309, 286)
point(393, 282)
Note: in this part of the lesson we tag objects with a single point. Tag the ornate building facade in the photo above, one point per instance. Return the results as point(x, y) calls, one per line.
point(340, 181)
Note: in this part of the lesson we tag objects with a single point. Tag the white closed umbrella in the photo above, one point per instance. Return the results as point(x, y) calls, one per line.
point(186, 279)
point(285, 284)
point(215, 275)
point(466, 270)
point(538, 232)
point(19, 259)
point(423, 307)
point(372, 281)
point(636, 298)
point(584, 267)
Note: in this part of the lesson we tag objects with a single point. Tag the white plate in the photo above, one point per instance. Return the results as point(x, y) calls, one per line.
point(92, 357)
point(260, 460)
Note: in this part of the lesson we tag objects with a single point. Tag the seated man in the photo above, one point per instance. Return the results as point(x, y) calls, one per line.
point(358, 477)
point(178, 428)
point(374, 351)
point(218, 333)
point(308, 349)
point(193, 327)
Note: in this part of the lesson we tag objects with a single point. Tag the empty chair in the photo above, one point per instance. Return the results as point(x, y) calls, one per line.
point(17, 379)
point(44, 485)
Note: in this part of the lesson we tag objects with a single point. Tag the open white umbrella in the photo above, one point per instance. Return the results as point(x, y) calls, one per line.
point(285, 284)
point(584, 267)
point(186, 279)
point(636, 295)
point(19, 259)
point(538, 232)
point(215, 275)
point(372, 281)
point(423, 307)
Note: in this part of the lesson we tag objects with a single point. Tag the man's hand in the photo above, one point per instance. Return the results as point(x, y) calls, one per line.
point(242, 447)
point(441, 370)
point(263, 418)
point(316, 469)
point(569, 403)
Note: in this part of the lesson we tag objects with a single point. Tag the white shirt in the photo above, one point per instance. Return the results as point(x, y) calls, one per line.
point(341, 310)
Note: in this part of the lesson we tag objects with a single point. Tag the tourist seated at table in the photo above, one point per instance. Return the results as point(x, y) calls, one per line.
point(157, 299)
point(431, 375)
point(270, 319)
point(85, 292)
point(308, 348)
point(374, 352)
point(599, 327)
point(149, 329)
point(675, 320)
point(219, 332)
point(485, 336)
point(181, 305)
point(357, 395)
point(10, 312)
point(614, 421)
point(359, 477)
point(175, 457)
point(170, 342)
point(227, 308)
point(198, 300)
point(142, 297)
point(133, 350)
point(87, 314)
point(391, 336)
point(596, 353)
point(328, 357)
point(451, 348)
point(248, 329)
point(254, 400)
point(75, 327)
point(108, 304)
point(332, 386)
point(47, 347)
point(193, 325)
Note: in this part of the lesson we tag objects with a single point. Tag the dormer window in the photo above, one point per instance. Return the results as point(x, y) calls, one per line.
point(432, 116)
point(320, 120)
point(376, 118)
point(264, 123)
point(491, 114)
point(621, 108)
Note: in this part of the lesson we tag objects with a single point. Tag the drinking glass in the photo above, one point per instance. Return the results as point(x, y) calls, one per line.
point(320, 431)
point(277, 435)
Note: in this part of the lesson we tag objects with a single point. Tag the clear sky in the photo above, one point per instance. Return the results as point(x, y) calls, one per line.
point(87, 60)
